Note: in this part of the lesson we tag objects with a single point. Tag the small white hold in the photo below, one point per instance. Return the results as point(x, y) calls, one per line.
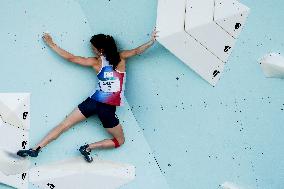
point(229, 185)
point(272, 65)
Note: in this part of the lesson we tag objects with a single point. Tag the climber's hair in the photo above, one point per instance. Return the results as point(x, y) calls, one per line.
point(108, 45)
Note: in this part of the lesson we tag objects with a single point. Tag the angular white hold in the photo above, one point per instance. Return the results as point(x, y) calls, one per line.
point(77, 173)
point(181, 42)
point(272, 65)
point(14, 109)
point(199, 33)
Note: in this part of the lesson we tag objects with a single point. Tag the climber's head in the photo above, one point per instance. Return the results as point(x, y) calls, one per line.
point(105, 45)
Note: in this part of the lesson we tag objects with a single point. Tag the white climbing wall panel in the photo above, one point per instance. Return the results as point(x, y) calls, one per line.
point(14, 135)
point(230, 15)
point(200, 25)
point(25, 43)
point(201, 33)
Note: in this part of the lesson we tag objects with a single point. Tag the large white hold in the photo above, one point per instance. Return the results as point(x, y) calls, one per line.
point(77, 173)
point(201, 33)
point(272, 65)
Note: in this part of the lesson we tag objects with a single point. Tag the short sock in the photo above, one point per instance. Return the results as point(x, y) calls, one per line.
point(38, 148)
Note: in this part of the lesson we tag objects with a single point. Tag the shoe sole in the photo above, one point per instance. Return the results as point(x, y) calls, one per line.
point(23, 154)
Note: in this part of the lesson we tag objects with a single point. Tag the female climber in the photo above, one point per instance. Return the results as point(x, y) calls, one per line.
point(110, 66)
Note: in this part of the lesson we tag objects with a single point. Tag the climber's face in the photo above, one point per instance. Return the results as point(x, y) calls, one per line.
point(96, 51)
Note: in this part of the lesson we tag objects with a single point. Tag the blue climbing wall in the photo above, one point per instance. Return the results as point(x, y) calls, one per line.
point(57, 86)
point(200, 136)
point(203, 136)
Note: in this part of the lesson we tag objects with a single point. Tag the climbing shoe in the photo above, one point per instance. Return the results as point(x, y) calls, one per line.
point(30, 152)
point(85, 153)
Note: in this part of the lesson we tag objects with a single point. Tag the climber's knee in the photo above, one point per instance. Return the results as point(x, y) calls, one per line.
point(117, 142)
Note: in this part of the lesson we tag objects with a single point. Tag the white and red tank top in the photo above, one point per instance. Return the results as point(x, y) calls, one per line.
point(110, 86)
